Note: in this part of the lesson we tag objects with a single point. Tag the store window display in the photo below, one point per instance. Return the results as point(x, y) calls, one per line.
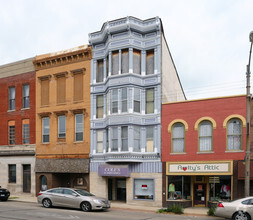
point(220, 188)
point(179, 187)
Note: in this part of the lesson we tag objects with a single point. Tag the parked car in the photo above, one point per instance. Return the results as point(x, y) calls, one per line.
point(4, 194)
point(72, 198)
point(238, 209)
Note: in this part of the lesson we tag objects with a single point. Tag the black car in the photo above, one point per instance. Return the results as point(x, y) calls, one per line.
point(4, 194)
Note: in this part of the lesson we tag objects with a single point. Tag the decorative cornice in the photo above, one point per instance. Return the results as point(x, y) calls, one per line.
point(49, 61)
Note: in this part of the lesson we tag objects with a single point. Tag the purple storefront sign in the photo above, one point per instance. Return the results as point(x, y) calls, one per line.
point(109, 170)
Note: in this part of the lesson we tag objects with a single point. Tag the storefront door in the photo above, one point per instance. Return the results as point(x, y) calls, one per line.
point(121, 189)
point(27, 178)
point(199, 194)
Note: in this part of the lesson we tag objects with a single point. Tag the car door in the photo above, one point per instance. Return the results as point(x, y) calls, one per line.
point(70, 199)
point(55, 196)
point(250, 208)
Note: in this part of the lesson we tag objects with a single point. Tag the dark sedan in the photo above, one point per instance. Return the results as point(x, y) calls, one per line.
point(4, 194)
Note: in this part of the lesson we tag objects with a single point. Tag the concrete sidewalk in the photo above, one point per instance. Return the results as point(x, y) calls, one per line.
point(118, 205)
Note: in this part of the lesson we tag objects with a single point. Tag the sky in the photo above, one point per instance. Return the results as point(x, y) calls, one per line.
point(208, 39)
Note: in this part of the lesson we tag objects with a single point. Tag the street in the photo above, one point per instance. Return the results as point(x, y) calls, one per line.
point(23, 211)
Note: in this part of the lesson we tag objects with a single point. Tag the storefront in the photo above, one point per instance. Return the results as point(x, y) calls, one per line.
point(198, 183)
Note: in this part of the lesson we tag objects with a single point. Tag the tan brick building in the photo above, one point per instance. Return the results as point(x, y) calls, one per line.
point(62, 118)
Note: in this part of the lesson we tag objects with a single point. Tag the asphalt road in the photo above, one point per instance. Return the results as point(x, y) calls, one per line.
point(13, 210)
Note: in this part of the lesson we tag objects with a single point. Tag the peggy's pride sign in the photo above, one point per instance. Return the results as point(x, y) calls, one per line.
point(221, 167)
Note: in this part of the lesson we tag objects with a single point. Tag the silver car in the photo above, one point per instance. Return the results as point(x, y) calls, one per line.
point(239, 209)
point(72, 198)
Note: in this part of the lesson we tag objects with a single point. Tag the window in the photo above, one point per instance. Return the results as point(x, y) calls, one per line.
point(62, 126)
point(178, 132)
point(107, 140)
point(205, 136)
point(12, 173)
point(124, 107)
point(114, 139)
point(100, 71)
point(11, 125)
point(79, 127)
point(137, 100)
point(44, 92)
point(11, 98)
point(45, 130)
point(137, 136)
point(43, 185)
point(219, 188)
point(144, 189)
point(179, 187)
point(115, 62)
point(61, 89)
point(234, 134)
point(137, 61)
point(150, 139)
point(100, 106)
point(149, 101)
point(78, 86)
point(124, 61)
point(26, 98)
point(26, 131)
point(100, 139)
point(114, 103)
point(150, 62)
point(124, 138)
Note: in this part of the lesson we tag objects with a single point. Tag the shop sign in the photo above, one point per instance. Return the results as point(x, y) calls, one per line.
point(108, 170)
point(199, 168)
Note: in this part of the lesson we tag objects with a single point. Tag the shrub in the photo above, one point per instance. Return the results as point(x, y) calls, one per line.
point(211, 211)
point(177, 209)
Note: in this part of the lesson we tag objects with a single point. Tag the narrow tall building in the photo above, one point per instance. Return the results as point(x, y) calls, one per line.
point(62, 118)
point(132, 73)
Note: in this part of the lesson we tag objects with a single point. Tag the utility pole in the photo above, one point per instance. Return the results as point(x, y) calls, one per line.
point(247, 153)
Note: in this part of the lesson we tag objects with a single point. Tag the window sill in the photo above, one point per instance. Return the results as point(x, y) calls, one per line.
point(11, 110)
point(44, 106)
point(206, 152)
point(23, 109)
point(45, 143)
point(64, 103)
point(234, 151)
point(178, 153)
point(78, 142)
point(77, 101)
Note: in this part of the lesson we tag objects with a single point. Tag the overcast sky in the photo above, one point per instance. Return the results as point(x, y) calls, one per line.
point(208, 39)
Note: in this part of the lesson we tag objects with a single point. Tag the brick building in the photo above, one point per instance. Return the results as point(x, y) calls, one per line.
point(203, 148)
point(17, 126)
point(62, 118)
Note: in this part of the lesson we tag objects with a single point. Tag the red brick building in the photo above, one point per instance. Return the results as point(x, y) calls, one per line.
point(17, 126)
point(203, 144)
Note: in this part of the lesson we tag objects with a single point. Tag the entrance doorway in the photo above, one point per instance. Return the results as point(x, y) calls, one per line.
point(27, 178)
point(117, 189)
point(199, 194)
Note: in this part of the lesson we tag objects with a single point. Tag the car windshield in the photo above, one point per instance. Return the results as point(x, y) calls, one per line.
point(83, 192)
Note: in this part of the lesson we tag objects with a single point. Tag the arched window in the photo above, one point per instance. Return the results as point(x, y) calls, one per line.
point(43, 181)
point(205, 136)
point(234, 134)
point(178, 136)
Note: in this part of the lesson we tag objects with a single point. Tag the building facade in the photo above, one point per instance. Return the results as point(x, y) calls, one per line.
point(132, 73)
point(17, 127)
point(62, 118)
point(203, 146)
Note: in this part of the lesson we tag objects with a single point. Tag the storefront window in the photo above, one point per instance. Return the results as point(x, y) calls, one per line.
point(179, 187)
point(144, 189)
point(220, 188)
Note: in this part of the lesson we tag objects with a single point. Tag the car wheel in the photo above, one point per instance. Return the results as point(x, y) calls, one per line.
point(241, 216)
point(86, 206)
point(47, 203)
point(4, 199)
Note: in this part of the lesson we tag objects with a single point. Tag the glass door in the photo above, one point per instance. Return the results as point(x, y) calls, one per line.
point(199, 194)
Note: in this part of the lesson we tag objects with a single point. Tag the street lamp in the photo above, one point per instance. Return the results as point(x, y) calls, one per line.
point(247, 153)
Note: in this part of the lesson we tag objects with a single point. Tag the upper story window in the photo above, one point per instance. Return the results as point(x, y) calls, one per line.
point(150, 101)
point(137, 139)
point(124, 107)
point(78, 127)
point(100, 71)
point(78, 86)
point(115, 62)
point(26, 131)
point(45, 129)
point(100, 139)
point(11, 125)
point(124, 138)
point(178, 138)
point(114, 138)
point(150, 64)
point(100, 106)
point(137, 100)
point(45, 92)
point(234, 134)
point(205, 136)
point(26, 96)
point(11, 98)
point(137, 61)
point(150, 139)
point(62, 126)
point(61, 89)
point(124, 61)
point(114, 101)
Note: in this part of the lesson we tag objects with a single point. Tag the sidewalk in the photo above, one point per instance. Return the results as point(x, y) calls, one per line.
point(118, 205)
